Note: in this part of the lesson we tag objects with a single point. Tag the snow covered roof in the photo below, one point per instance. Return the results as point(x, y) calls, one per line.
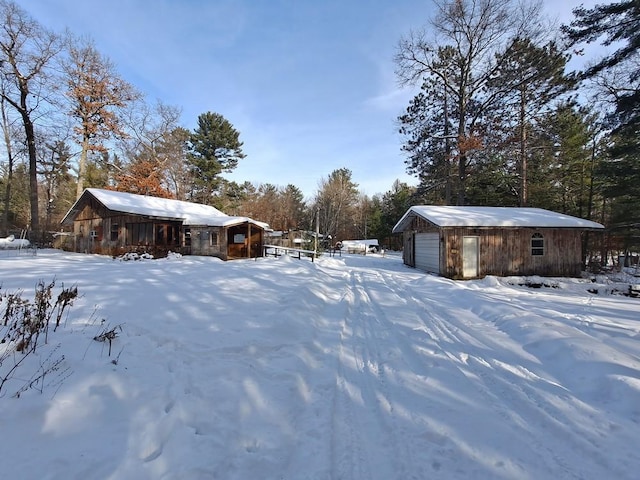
point(451, 216)
point(190, 213)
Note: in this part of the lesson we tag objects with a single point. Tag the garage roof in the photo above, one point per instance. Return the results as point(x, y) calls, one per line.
point(453, 216)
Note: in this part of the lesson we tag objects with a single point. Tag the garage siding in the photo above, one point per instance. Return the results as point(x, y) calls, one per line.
point(428, 252)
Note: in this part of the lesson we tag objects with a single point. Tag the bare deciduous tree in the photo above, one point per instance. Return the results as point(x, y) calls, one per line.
point(96, 94)
point(335, 204)
point(155, 137)
point(8, 128)
point(26, 52)
point(460, 55)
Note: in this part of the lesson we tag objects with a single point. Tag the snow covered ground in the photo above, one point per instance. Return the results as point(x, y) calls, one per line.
point(352, 367)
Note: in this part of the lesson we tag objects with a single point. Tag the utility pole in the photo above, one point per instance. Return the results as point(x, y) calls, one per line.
point(315, 246)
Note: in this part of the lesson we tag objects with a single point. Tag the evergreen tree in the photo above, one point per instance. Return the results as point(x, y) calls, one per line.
point(101, 171)
point(375, 227)
point(427, 127)
point(620, 175)
point(394, 204)
point(571, 160)
point(232, 196)
point(293, 207)
point(18, 214)
point(215, 147)
point(535, 77)
point(618, 24)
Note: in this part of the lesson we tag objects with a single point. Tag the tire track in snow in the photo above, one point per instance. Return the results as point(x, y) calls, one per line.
point(354, 399)
point(377, 333)
point(364, 407)
point(348, 459)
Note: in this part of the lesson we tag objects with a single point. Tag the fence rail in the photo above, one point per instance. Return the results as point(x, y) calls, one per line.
point(277, 251)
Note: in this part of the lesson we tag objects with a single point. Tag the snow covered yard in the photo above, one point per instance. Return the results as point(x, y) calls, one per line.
point(352, 367)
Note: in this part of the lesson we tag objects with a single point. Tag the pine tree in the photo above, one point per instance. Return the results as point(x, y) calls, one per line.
point(427, 128)
point(394, 204)
point(618, 24)
point(215, 147)
point(534, 77)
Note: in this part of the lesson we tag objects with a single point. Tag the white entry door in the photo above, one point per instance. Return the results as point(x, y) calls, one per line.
point(470, 254)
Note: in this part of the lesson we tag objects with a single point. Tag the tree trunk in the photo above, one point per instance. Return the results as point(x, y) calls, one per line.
point(462, 145)
point(82, 166)
point(9, 179)
point(447, 149)
point(462, 174)
point(524, 187)
point(33, 160)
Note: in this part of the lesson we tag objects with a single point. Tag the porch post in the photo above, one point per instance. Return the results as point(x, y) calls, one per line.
point(248, 240)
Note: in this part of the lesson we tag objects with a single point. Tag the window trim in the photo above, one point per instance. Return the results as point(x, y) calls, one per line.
point(213, 239)
point(115, 232)
point(537, 245)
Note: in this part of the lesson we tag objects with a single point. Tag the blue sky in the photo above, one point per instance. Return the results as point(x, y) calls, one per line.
point(309, 84)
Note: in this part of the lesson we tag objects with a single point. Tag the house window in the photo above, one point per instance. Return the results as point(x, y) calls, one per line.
point(173, 235)
point(187, 237)
point(139, 233)
point(213, 239)
point(537, 244)
point(161, 231)
point(114, 232)
point(166, 234)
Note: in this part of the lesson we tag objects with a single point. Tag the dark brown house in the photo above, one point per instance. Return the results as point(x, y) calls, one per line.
point(472, 242)
point(114, 223)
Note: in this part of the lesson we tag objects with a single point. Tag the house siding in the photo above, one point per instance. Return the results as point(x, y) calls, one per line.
point(99, 230)
point(207, 240)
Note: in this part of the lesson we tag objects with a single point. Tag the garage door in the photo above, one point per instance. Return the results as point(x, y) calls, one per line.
point(428, 252)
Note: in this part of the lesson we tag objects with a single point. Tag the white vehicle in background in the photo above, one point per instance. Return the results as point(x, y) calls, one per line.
point(360, 246)
point(13, 243)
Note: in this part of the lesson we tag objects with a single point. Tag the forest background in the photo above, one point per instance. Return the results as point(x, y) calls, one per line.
point(498, 119)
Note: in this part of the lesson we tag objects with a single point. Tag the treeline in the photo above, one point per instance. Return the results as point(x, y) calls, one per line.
point(498, 120)
point(70, 121)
